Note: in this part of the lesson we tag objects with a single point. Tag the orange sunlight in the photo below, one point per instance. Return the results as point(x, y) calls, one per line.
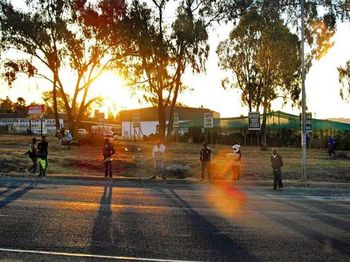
point(223, 195)
point(114, 92)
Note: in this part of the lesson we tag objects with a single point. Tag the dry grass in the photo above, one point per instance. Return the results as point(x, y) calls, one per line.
point(87, 160)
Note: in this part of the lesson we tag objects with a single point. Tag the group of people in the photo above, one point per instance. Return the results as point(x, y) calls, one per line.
point(235, 164)
point(38, 152)
point(157, 157)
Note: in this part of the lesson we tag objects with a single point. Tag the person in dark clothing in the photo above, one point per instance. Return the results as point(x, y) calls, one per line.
point(331, 146)
point(276, 163)
point(108, 152)
point(33, 155)
point(205, 157)
point(42, 154)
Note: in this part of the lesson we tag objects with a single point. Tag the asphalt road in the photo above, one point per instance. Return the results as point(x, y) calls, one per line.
point(101, 221)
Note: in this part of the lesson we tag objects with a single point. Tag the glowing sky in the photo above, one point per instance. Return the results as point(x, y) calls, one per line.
point(322, 85)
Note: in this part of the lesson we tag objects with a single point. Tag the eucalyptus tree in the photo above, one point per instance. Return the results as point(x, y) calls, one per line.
point(344, 80)
point(344, 71)
point(66, 42)
point(264, 57)
point(262, 51)
point(166, 44)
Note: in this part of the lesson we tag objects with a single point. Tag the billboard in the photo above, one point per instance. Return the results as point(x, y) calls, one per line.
point(208, 120)
point(254, 121)
point(176, 120)
point(308, 121)
point(35, 111)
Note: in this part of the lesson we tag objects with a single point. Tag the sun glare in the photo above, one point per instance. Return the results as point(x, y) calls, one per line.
point(114, 92)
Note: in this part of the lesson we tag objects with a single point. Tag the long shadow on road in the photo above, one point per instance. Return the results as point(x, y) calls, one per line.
point(219, 247)
point(308, 232)
point(15, 195)
point(326, 219)
point(101, 233)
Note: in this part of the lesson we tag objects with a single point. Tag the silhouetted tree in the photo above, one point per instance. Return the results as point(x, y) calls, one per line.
point(72, 42)
point(165, 49)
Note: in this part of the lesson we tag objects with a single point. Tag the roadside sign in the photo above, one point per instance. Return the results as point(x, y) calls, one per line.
point(308, 121)
point(136, 120)
point(254, 121)
point(176, 120)
point(35, 111)
point(208, 120)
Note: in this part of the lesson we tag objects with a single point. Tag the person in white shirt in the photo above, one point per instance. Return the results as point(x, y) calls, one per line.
point(236, 164)
point(158, 162)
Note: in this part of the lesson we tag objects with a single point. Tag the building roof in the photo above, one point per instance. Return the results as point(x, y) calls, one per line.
point(151, 113)
point(24, 115)
point(274, 120)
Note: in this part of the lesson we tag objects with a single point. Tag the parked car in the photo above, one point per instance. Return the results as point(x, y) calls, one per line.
point(82, 132)
point(132, 149)
point(38, 132)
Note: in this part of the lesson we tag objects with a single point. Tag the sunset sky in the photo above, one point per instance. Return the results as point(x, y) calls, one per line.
point(322, 86)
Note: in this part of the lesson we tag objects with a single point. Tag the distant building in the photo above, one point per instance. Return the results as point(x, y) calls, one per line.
point(136, 123)
point(18, 123)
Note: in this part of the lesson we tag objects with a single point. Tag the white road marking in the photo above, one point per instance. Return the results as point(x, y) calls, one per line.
point(38, 252)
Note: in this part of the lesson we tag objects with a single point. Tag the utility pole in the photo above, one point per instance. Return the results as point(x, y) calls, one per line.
point(303, 114)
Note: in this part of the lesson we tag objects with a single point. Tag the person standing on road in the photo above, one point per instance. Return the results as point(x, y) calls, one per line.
point(108, 152)
point(205, 157)
point(236, 165)
point(43, 153)
point(33, 154)
point(158, 152)
point(276, 163)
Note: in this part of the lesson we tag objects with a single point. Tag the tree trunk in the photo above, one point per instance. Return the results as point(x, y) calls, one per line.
point(54, 92)
point(161, 118)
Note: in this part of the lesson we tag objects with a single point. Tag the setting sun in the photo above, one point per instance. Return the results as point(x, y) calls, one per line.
point(115, 93)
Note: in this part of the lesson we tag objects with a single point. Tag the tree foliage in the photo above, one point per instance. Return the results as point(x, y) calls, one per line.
point(263, 50)
point(164, 50)
point(69, 43)
point(264, 56)
point(7, 106)
point(344, 80)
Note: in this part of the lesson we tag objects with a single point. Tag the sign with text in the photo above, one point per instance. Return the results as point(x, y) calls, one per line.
point(208, 120)
point(136, 120)
point(254, 121)
point(308, 121)
point(176, 120)
point(36, 111)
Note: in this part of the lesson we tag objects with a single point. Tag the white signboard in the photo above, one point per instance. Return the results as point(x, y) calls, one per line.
point(254, 121)
point(308, 122)
point(136, 120)
point(176, 120)
point(208, 120)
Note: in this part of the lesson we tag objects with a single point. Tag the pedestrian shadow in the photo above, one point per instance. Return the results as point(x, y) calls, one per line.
point(15, 195)
point(225, 249)
point(101, 240)
point(328, 220)
point(10, 187)
point(323, 239)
